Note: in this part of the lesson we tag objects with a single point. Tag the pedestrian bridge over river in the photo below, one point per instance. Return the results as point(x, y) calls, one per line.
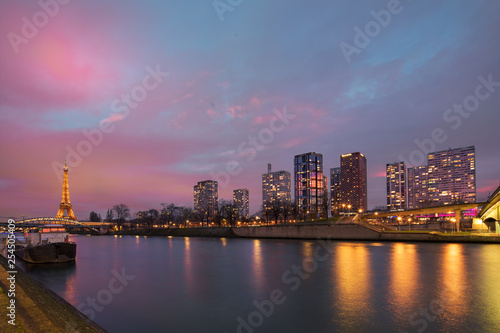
point(489, 214)
point(68, 223)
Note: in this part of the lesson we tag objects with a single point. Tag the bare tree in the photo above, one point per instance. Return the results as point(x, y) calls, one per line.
point(185, 213)
point(122, 212)
point(230, 212)
point(275, 207)
point(325, 204)
point(286, 210)
point(94, 217)
point(266, 211)
point(110, 215)
point(167, 213)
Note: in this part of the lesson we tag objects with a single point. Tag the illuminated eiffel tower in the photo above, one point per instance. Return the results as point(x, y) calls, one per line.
point(65, 203)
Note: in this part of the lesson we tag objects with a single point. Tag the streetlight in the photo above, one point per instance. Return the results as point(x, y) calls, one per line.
point(399, 220)
point(349, 206)
point(409, 221)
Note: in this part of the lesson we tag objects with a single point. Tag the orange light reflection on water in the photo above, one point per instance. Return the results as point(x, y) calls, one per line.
point(353, 292)
point(454, 293)
point(404, 280)
point(258, 268)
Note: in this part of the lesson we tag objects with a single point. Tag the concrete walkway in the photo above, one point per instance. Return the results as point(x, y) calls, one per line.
point(38, 309)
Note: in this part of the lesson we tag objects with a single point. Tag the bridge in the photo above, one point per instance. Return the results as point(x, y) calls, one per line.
point(489, 214)
point(68, 223)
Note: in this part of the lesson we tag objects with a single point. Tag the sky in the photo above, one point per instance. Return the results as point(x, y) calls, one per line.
point(143, 99)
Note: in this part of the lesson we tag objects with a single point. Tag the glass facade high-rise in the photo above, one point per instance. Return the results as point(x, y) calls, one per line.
point(353, 182)
point(276, 186)
point(396, 186)
point(206, 196)
point(452, 176)
point(241, 202)
point(335, 190)
point(309, 183)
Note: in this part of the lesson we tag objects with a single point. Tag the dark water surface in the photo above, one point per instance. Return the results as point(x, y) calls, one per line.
point(161, 284)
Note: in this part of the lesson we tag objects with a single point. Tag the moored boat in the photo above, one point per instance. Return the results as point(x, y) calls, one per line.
point(47, 244)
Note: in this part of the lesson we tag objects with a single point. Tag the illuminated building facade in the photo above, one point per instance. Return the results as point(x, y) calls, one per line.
point(335, 190)
point(353, 182)
point(417, 187)
point(241, 202)
point(396, 186)
point(65, 205)
point(206, 197)
point(275, 186)
point(452, 176)
point(309, 183)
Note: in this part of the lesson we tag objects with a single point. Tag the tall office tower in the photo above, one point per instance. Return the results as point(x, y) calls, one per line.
point(335, 190)
point(276, 186)
point(396, 186)
point(353, 187)
point(241, 203)
point(417, 187)
point(206, 199)
point(452, 176)
point(309, 188)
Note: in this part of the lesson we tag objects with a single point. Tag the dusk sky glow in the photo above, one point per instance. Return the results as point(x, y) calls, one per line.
point(212, 94)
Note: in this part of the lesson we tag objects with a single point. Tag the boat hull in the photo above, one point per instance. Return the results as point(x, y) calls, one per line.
point(47, 253)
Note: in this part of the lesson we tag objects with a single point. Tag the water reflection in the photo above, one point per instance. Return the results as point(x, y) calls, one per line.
point(489, 287)
point(63, 274)
point(454, 293)
point(353, 294)
point(404, 281)
point(307, 249)
point(188, 267)
point(258, 268)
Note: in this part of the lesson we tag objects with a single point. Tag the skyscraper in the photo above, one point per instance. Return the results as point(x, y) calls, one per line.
point(417, 187)
point(396, 186)
point(206, 199)
point(309, 187)
point(335, 190)
point(276, 186)
point(241, 202)
point(452, 176)
point(448, 178)
point(353, 186)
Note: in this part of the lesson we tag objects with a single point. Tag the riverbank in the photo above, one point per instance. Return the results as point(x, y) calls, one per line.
point(334, 231)
point(359, 232)
point(38, 309)
point(218, 232)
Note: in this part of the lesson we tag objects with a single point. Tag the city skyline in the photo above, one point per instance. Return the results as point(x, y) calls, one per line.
point(141, 112)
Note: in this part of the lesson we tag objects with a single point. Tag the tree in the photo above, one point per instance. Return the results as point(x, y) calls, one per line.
point(286, 210)
point(110, 215)
point(275, 208)
point(325, 204)
point(94, 217)
point(229, 212)
point(266, 210)
point(122, 212)
point(167, 213)
point(185, 214)
point(298, 210)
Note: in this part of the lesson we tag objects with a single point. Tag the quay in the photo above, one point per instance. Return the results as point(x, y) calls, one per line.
point(320, 230)
point(38, 309)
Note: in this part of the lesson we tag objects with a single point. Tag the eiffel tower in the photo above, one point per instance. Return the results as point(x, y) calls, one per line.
point(65, 203)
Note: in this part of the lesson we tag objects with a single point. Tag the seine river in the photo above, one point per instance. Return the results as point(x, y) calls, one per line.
point(162, 284)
